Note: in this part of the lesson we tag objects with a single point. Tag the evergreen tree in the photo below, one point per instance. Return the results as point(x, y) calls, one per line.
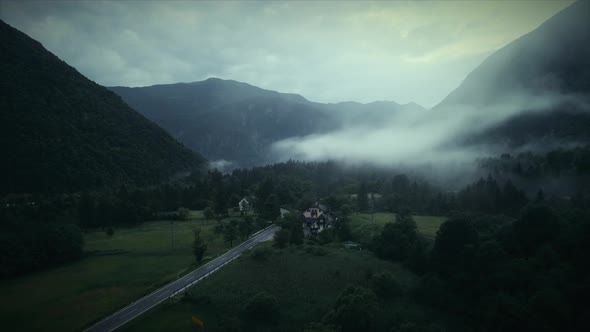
point(362, 198)
point(86, 211)
point(230, 232)
point(199, 245)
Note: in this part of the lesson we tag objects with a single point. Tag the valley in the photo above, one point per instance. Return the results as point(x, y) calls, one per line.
point(147, 146)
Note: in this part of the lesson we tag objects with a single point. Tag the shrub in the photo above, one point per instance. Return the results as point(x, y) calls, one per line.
point(316, 251)
point(263, 308)
point(384, 285)
point(261, 254)
point(182, 213)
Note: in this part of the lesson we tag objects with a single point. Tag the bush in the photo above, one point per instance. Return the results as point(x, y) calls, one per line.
point(263, 308)
point(183, 213)
point(384, 285)
point(316, 251)
point(208, 213)
point(27, 247)
point(355, 310)
point(110, 231)
point(282, 238)
point(260, 254)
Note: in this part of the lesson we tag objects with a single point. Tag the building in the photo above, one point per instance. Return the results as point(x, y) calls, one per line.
point(244, 205)
point(315, 219)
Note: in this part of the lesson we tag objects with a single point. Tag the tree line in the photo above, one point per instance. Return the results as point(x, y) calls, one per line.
point(292, 185)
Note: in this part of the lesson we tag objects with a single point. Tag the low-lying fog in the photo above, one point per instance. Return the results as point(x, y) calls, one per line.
point(413, 138)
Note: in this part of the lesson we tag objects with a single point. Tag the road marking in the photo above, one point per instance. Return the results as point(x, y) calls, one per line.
point(129, 313)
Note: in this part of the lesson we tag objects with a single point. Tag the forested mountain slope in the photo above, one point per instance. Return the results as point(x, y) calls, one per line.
point(61, 132)
point(238, 122)
point(542, 79)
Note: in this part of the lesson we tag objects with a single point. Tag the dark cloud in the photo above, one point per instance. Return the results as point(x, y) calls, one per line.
point(327, 51)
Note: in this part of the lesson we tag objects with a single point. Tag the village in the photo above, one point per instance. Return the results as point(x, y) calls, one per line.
point(314, 220)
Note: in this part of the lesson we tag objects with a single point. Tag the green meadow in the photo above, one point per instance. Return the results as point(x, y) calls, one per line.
point(116, 271)
point(364, 227)
point(121, 268)
point(306, 280)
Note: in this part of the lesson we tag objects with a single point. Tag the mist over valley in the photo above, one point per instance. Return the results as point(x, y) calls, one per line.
point(358, 166)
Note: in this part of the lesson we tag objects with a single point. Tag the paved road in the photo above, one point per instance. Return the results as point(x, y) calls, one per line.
point(149, 301)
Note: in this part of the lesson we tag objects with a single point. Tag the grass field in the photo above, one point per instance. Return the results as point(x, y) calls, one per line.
point(121, 269)
point(305, 284)
point(364, 229)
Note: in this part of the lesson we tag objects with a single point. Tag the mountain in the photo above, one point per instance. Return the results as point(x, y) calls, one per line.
point(548, 66)
point(238, 122)
point(61, 132)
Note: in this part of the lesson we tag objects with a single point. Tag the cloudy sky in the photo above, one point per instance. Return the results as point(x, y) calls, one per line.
point(327, 51)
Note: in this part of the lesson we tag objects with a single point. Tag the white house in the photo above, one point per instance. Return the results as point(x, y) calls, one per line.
point(244, 205)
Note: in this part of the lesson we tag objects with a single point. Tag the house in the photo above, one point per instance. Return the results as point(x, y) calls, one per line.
point(244, 205)
point(315, 219)
point(284, 212)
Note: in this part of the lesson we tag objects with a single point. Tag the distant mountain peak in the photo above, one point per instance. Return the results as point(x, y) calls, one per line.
point(555, 57)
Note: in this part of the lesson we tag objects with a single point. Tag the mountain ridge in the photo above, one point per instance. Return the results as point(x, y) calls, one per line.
point(237, 121)
point(63, 132)
point(544, 76)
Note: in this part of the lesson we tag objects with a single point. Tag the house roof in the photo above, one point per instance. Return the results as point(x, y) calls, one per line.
point(308, 214)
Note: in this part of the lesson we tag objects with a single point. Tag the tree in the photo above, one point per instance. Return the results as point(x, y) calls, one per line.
point(397, 240)
point(513, 199)
point(220, 202)
point(208, 213)
point(183, 213)
point(296, 228)
point(346, 210)
point(343, 229)
point(86, 210)
point(318, 327)
point(362, 198)
point(245, 227)
point(230, 233)
point(199, 245)
point(355, 310)
point(385, 285)
point(536, 226)
point(454, 243)
point(263, 308)
point(282, 238)
point(271, 210)
point(265, 189)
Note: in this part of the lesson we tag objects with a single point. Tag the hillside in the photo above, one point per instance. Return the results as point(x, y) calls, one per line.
point(548, 66)
point(238, 122)
point(61, 132)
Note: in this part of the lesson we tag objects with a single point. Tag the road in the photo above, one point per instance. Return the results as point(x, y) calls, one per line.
point(151, 300)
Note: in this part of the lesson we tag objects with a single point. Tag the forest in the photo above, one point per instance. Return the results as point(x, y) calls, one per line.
point(508, 259)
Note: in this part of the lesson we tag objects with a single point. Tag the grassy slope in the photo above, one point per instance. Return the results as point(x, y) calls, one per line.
point(70, 297)
point(363, 229)
point(305, 285)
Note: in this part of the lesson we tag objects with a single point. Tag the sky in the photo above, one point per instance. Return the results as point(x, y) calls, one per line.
point(326, 51)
